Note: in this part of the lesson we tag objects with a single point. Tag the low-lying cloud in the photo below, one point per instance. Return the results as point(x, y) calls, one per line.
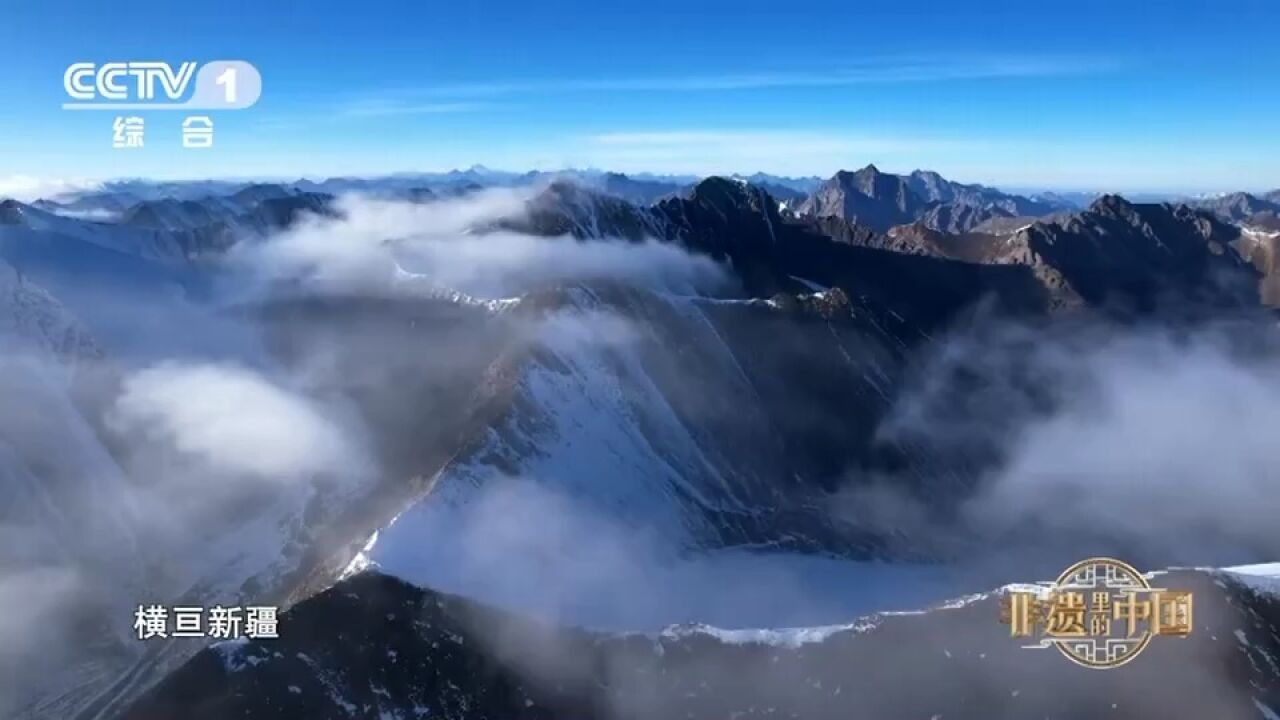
point(380, 246)
point(531, 545)
point(1155, 443)
point(234, 419)
point(27, 188)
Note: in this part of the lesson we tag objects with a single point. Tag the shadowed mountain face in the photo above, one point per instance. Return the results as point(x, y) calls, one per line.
point(1114, 253)
point(211, 225)
point(375, 647)
point(959, 217)
point(1138, 252)
point(741, 224)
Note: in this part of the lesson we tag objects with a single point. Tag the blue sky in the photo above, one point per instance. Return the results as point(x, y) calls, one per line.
point(1168, 96)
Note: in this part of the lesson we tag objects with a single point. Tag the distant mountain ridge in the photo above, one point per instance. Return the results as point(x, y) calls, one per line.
point(880, 200)
point(921, 214)
point(1114, 252)
point(868, 197)
point(1241, 205)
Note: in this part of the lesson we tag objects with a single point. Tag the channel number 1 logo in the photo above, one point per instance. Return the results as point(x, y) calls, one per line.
point(1100, 613)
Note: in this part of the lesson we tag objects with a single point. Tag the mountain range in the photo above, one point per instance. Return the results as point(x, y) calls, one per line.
point(596, 405)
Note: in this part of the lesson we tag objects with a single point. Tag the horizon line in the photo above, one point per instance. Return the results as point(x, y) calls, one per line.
point(25, 185)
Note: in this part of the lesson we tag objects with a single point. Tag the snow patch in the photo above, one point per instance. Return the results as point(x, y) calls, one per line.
point(791, 638)
point(231, 651)
point(1240, 637)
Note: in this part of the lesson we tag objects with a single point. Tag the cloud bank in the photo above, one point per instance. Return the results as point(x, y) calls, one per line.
point(1152, 443)
point(379, 246)
point(27, 188)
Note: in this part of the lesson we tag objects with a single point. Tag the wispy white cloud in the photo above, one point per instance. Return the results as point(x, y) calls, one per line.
point(803, 152)
point(27, 188)
point(864, 72)
point(381, 107)
point(371, 107)
point(792, 140)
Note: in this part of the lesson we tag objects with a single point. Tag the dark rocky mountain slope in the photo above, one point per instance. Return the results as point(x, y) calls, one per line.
point(1112, 253)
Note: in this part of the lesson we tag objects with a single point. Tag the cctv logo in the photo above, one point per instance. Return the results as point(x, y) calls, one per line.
point(216, 85)
point(118, 81)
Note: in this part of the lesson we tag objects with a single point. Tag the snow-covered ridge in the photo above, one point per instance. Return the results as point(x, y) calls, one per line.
point(34, 226)
point(783, 637)
point(34, 319)
point(794, 637)
point(1258, 234)
point(1264, 577)
point(421, 285)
